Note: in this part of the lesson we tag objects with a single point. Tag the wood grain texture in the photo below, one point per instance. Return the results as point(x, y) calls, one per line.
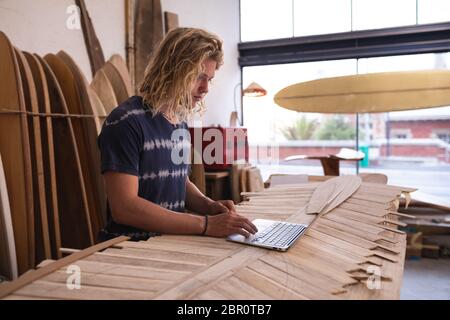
point(104, 90)
point(48, 155)
point(15, 151)
point(8, 259)
point(330, 261)
point(94, 182)
point(118, 83)
point(73, 210)
point(121, 66)
point(93, 47)
point(375, 92)
point(148, 34)
point(170, 21)
point(41, 233)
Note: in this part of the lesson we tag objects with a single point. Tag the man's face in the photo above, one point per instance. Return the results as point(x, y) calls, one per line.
point(200, 88)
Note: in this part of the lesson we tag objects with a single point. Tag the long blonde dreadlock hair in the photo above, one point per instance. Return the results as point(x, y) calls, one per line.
point(174, 68)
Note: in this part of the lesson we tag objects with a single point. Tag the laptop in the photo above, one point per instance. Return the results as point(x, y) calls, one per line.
point(275, 235)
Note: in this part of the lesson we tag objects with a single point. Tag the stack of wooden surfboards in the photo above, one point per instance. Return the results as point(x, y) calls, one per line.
point(351, 250)
point(52, 193)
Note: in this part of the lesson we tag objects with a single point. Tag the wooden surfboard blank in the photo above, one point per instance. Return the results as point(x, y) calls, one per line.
point(121, 66)
point(148, 34)
point(375, 92)
point(48, 155)
point(42, 240)
point(117, 82)
point(14, 147)
point(8, 259)
point(93, 179)
point(73, 206)
point(103, 88)
point(170, 21)
point(97, 108)
point(93, 46)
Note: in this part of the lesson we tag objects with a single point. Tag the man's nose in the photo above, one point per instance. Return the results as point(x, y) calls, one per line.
point(204, 87)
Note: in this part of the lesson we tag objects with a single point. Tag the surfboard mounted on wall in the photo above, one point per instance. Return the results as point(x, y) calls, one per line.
point(368, 93)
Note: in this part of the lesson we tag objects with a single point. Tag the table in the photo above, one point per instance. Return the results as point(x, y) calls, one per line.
point(353, 252)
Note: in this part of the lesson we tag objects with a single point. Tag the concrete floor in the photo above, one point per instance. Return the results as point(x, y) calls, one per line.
point(426, 279)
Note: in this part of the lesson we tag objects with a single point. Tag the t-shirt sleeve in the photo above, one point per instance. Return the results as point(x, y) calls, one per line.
point(120, 145)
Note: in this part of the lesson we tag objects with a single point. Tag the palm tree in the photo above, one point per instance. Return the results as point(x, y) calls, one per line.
point(302, 129)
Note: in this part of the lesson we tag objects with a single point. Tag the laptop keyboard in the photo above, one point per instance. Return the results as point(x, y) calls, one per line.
point(279, 234)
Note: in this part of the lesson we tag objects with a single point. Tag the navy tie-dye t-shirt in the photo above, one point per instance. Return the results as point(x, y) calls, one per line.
point(135, 142)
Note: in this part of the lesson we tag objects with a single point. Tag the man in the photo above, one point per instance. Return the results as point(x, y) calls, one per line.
point(147, 190)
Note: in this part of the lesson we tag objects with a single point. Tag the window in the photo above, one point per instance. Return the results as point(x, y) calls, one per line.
point(321, 17)
point(369, 14)
point(432, 11)
point(266, 19)
point(445, 136)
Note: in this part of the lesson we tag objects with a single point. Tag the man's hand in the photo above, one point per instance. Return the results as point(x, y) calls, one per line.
point(228, 222)
point(221, 206)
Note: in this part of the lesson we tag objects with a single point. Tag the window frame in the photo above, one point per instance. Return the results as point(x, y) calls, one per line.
point(427, 38)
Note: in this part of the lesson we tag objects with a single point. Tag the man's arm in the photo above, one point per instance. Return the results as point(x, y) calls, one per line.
point(196, 201)
point(129, 209)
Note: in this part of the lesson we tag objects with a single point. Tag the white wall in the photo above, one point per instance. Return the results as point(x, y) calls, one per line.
point(41, 27)
point(222, 18)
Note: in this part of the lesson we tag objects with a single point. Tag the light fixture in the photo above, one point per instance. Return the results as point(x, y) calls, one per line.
point(253, 90)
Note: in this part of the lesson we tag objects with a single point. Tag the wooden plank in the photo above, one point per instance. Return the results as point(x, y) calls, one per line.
point(130, 35)
point(118, 83)
point(164, 256)
point(110, 281)
point(170, 21)
point(173, 247)
point(73, 211)
point(301, 272)
point(41, 233)
point(24, 280)
point(103, 88)
point(97, 108)
point(48, 155)
point(128, 260)
point(236, 289)
point(15, 151)
point(130, 271)
point(93, 47)
point(8, 259)
point(259, 273)
point(70, 91)
point(121, 66)
point(331, 193)
point(59, 291)
point(94, 182)
point(148, 34)
point(214, 273)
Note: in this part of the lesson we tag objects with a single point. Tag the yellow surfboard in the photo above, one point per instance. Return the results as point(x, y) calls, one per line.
point(374, 92)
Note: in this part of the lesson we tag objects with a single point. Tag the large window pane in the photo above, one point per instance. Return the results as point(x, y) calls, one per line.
point(376, 14)
point(411, 147)
point(431, 11)
point(321, 17)
point(266, 19)
point(267, 123)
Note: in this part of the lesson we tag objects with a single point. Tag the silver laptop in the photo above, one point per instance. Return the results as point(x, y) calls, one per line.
point(276, 235)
